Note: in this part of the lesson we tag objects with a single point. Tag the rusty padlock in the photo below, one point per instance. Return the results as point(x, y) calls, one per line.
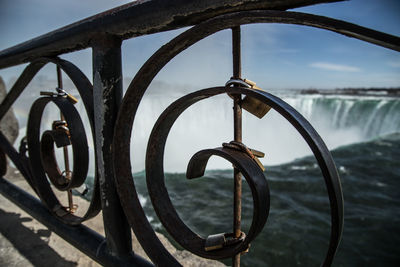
point(218, 241)
point(254, 106)
point(60, 133)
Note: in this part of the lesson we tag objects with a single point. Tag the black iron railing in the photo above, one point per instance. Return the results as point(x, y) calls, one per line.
point(111, 115)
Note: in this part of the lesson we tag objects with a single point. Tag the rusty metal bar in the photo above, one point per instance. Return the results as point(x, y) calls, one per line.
point(65, 148)
point(145, 17)
point(136, 19)
point(107, 94)
point(237, 125)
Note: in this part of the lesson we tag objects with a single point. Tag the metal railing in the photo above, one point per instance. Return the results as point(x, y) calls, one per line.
point(111, 115)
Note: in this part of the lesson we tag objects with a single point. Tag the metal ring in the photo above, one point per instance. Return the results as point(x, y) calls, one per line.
point(85, 90)
point(38, 160)
point(314, 141)
point(126, 115)
point(162, 203)
point(154, 162)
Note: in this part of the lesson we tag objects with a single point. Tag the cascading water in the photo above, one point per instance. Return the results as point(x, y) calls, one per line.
point(339, 120)
point(370, 117)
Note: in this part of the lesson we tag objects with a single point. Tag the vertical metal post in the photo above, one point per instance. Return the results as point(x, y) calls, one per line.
point(107, 94)
point(237, 125)
point(65, 148)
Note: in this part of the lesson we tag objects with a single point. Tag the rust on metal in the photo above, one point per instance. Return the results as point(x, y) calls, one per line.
point(111, 118)
point(196, 167)
point(67, 172)
point(237, 135)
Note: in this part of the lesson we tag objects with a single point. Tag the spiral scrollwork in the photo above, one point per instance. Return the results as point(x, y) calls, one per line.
point(250, 170)
point(196, 167)
point(154, 162)
point(42, 156)
point(42, 160)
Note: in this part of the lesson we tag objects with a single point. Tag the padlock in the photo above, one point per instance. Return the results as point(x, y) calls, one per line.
point(59, 133)
point(61, 125)
point(60, 138)
point(63, 93)
point(218, 241)
point(214, 242)
point(253, 105)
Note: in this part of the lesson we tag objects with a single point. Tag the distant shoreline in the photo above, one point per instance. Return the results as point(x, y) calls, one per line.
point(382, 92)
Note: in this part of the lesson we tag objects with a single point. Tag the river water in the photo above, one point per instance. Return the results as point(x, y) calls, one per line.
point(363, 134)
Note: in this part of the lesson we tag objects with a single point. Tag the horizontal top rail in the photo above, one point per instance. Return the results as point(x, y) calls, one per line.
point(135, 19)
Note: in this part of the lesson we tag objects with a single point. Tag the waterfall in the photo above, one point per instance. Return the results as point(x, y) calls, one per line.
point(207, 124)
point(370, 117)
point(339, 121)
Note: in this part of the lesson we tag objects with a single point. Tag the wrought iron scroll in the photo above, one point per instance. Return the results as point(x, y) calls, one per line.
point(136, 90)
point(107, 69)
point(31, 167)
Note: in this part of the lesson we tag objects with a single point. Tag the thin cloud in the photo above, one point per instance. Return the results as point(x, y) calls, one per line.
point(394, 64)
point(334, 67)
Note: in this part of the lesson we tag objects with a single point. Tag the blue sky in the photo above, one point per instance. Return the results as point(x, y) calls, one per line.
point(275, 56)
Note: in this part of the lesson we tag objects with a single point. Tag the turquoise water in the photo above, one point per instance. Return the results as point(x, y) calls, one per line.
point(297, 230)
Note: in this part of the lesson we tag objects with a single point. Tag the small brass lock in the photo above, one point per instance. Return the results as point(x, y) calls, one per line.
point(253, 105)
point(214, 242)
point(61, 93)
point(60, 133)
point(218, 241)
point(250, 104)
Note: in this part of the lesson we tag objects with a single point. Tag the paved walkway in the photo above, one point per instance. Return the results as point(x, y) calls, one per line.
point(26, 242)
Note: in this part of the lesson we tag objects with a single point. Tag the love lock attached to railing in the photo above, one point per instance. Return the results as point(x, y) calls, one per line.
point(243, 159)
point(213, 247)
point(111, 122)
point(67, 132)
point(246, 95)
